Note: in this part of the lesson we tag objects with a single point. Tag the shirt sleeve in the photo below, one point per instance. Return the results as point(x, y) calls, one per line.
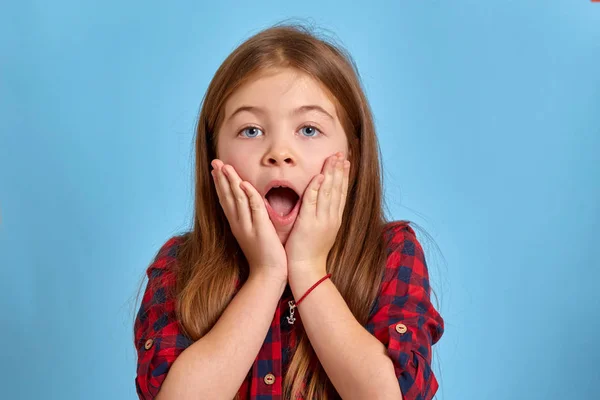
point(403, 318)
point(158, 338)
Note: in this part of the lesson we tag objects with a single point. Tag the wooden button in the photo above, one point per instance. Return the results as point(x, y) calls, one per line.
point(269, 379)
point(148, 344)
point(401, 328)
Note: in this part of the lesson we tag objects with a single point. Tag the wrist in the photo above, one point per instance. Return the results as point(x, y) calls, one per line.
point(301, 281)
point(269, 280)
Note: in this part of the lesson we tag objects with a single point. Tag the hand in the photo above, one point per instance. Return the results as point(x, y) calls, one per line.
point(319, 219)
point(247, 214)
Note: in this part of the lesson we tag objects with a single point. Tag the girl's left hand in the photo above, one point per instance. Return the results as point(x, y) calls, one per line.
point(319, 218)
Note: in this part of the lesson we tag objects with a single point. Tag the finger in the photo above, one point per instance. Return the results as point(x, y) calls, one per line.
point(336, 194)
point(240, 198)
point(310, 196)
point(258, 209)
point(224, 192)
point(213, 173)
point(344, 193)
point(324, 198)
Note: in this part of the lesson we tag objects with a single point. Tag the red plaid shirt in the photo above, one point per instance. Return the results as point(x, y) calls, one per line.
point(402, 318)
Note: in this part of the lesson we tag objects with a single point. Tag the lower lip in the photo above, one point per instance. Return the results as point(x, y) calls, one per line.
point(282, 220)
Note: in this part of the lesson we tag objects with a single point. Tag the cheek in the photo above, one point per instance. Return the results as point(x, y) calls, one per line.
point(316, 158)
point(314, 168)
point(244, 169)
point(318, 164)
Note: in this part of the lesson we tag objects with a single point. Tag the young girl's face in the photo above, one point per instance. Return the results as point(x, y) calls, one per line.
point(282, 125)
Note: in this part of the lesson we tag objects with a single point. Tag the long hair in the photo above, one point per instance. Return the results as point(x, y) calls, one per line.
point(210, 261)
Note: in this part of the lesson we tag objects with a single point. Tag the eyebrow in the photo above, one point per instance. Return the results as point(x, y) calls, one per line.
point(299, 110)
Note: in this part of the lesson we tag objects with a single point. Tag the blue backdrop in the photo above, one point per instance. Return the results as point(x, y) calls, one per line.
point(489, 122)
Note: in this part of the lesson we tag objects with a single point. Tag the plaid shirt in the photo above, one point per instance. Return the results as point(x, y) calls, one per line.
point(402, 318)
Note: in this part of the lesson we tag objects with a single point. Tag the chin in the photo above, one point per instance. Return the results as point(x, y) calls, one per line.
point(283, 237)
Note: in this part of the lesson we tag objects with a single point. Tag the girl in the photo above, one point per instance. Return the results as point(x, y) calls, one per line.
point(291, 283)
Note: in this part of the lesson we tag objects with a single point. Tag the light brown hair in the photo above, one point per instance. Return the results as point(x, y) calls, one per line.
point(210, 259)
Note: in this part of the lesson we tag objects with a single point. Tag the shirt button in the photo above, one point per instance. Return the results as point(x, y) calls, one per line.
point(401, 328)
point(269, 379)
point(148, 344)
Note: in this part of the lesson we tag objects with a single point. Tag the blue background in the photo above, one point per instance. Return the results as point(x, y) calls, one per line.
point(489, 122)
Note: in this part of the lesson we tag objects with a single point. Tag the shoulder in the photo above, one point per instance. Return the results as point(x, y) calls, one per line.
point(395, 227)
point(158, 299)
point(166, 256)
point(405, 258)
point(400, 237)
point(162, 272)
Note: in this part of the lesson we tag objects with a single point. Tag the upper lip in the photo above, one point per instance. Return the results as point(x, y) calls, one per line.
point(280, 182)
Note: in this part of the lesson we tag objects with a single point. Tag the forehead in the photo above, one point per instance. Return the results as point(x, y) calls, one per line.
point(279, 90)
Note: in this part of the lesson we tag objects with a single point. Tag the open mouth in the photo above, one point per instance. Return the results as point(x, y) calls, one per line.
point(282, 200)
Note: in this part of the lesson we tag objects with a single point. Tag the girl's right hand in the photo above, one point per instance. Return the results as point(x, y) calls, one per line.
point(250, 224)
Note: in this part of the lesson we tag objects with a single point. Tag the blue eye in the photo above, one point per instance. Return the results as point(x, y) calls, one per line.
point(254, 131)
point(311, 130)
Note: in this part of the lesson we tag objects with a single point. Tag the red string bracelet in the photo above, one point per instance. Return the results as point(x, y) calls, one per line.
point(293, 305)
point(311, 288)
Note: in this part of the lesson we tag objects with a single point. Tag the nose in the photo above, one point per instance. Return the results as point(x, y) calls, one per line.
point(279, 154)
point(279, 159)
